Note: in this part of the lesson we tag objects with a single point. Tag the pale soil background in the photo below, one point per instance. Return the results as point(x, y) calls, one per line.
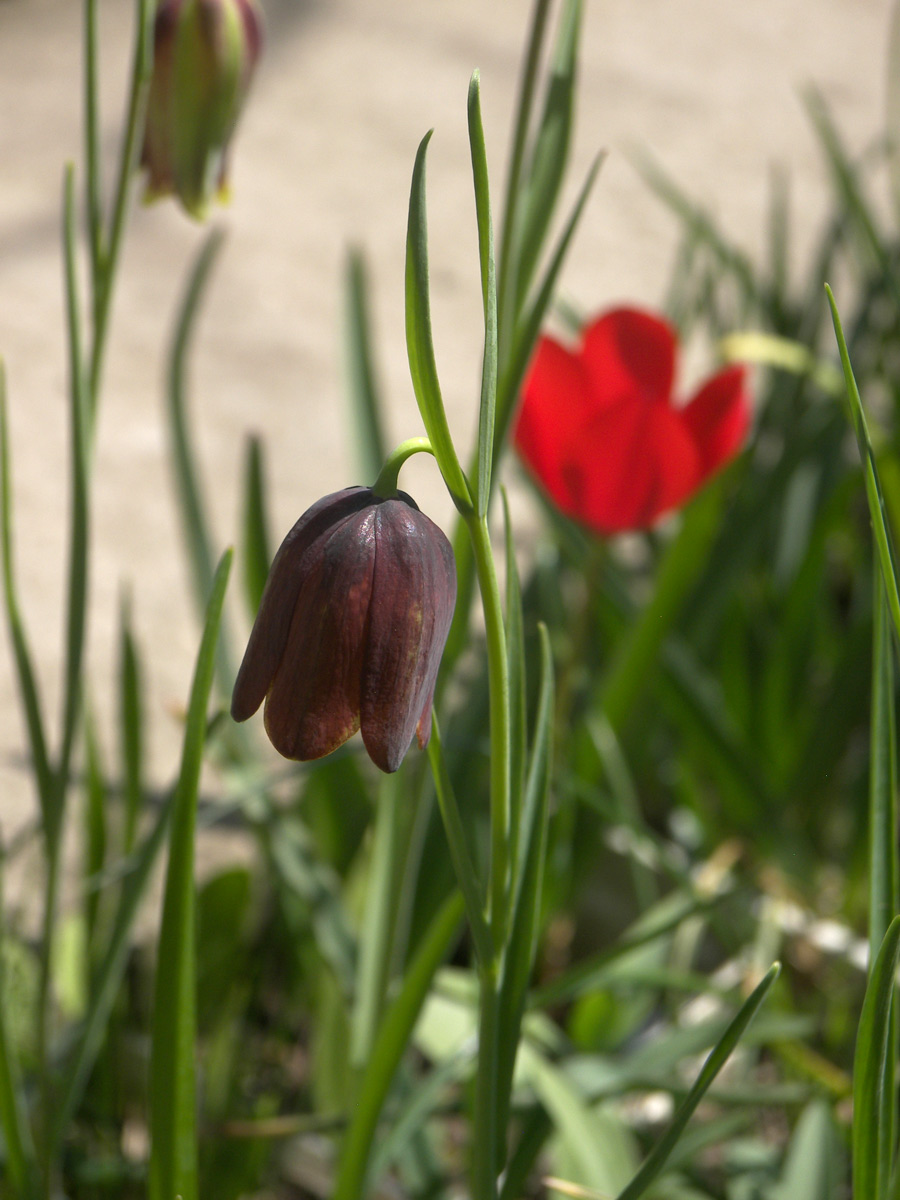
point(323, 160)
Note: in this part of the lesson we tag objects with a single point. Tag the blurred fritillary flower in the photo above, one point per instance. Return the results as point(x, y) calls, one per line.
point(204, 55)
point(599, 430)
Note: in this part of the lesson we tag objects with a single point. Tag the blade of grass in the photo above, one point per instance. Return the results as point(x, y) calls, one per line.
point(173, 1146)
point(682, 562)
point(195, 523)
point(27, 681)
point(550, 152)
point(365, 404)
point(393, 1038)
point(506, 290)
point(518, 717)
point(257, 554)
point(109, 977)
point(463, 866)
point(19, 1160)
point(527, 891)
point(873, 1069)
point(717, 1058)
point(488, 407)
point(527, 329)
point(880, 528)
point(131, 724)
point(419, 344)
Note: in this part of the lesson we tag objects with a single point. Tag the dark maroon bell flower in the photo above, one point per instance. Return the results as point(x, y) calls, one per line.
point(350, 630)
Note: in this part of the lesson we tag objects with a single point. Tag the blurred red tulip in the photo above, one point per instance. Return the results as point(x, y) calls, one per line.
point(351, 628)
point(599, 431)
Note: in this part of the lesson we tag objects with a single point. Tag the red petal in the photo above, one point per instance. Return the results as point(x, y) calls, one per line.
point(718, 418)
point(413, 596)
point(629, 354)
point(552, 412)
point(313, 703)
point(632, 464)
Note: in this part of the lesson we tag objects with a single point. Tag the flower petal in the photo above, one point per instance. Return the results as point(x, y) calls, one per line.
point(286, 577)
point(555, 396)
point(628, 354)
point(413, 596)
point(632, 464)
point(718, 418)
point(313, 703)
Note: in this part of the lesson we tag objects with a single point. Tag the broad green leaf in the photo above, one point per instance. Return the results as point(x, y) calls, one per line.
point(365, 403)
point(419, 341)
point(173, 1133)
point(488, 406)
point(811, 1166)
point(873, 1069)
point(656, 1160)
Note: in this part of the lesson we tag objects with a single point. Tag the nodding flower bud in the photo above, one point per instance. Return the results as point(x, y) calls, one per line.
point(350, 630)
point(204, 55)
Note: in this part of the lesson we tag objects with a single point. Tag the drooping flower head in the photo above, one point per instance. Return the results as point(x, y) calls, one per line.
point(204, 55)
point(351, 629)
point(600, 432)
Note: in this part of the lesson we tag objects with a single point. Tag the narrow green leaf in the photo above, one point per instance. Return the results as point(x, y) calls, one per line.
point(874, 495)
point(383, 880)
point(519, 954)
point(684, 558)
point(390, 1045)
point(454, 829)
point(365, 403)
point(109, 977)
point(546, 170)
point(883, 866)
point(488, 406)
point(173, 1134)
point(27, 680)
point(257, 555)
point(419, 342)
point(528, 327)
point(195, 524)
point(131, 725)
point(518, 717)
point(873, 1067)
point(19, 1153)
point(95, 834)
point(717, 1058)
point(506, 289)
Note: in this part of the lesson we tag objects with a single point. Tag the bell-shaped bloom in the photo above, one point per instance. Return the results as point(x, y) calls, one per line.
point(600, 432)
point(204, 55)
point(350, 630)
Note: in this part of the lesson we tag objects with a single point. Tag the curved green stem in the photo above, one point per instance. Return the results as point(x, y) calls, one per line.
point(385, 486)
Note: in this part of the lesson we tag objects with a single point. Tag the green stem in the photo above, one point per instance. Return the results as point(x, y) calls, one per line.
point(105, 270)
point(378, 920)
point(385, 486)
point(485, 1151)
point(501, 731)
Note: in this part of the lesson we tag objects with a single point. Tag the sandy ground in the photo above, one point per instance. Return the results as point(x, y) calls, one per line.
point(345, 92)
